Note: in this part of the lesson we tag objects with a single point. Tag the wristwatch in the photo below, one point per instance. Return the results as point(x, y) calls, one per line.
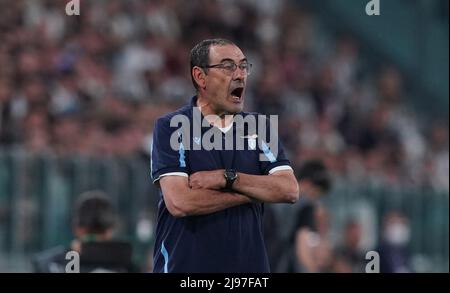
point(230, 176)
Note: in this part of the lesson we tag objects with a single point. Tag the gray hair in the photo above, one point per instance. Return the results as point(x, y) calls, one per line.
point(200, 54)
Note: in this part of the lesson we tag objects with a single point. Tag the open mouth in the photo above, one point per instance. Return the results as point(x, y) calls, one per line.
point(237, 93)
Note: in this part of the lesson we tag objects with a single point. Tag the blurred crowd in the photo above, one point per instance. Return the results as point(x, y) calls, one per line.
point(94, 84)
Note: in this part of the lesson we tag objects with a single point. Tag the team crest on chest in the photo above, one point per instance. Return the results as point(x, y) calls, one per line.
point(251, 141)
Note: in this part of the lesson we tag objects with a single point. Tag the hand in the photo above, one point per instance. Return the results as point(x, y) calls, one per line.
point(208, 180)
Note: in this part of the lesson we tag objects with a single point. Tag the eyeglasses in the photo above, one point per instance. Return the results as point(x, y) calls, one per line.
point(231, 67)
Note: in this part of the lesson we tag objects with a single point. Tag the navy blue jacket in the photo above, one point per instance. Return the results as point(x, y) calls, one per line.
point(230, 240)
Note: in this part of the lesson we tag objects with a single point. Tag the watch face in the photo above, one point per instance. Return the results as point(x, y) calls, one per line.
point(230, 174)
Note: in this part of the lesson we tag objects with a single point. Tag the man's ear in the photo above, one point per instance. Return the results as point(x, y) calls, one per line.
point(199, 76)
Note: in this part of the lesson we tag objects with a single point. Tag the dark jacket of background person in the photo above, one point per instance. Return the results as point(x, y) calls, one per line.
point(393, 248)
point(314, 181)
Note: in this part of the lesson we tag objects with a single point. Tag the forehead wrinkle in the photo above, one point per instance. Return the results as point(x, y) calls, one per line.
point(230, 59)
point(231, 52)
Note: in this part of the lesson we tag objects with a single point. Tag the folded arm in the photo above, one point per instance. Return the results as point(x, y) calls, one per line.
point(279, 187)
point(181, 200)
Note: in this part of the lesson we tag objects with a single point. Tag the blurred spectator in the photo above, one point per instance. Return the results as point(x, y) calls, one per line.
point(437, 157)
point(393, 248)
point(309, 247)
point(349, 257)
point(272, 237)
point(324, 252)
point(93, 226)
point(36, 132)
point(6, 131)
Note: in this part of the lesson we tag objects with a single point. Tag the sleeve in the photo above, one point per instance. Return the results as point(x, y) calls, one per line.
point(272, 155)
point(166, 159)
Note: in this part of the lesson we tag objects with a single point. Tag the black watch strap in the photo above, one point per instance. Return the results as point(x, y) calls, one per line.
point(230, 177)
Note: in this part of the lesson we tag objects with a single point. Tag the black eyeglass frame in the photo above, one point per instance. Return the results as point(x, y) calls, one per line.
point(232, 69)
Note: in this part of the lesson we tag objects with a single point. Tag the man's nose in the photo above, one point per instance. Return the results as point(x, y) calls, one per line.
point(239, 74)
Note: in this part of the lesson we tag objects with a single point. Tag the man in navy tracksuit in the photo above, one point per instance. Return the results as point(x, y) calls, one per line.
point(212, 188)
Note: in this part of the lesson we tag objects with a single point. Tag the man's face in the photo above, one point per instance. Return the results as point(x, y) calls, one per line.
point(224, 89)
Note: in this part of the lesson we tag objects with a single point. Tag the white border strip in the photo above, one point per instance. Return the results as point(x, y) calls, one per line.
point(280, 168)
